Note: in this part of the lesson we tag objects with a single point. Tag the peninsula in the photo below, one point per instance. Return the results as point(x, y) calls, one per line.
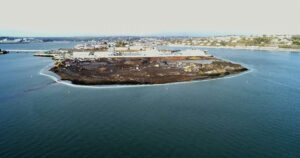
point(137, 64)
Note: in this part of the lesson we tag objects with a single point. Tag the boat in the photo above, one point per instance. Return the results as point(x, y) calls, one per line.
point(3, 52)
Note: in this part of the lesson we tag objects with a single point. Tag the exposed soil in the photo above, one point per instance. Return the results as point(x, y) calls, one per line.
point(144, 70)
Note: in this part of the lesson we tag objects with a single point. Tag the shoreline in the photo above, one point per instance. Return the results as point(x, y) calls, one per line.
point(45, 71)
point(144, 70)
point(243, 48)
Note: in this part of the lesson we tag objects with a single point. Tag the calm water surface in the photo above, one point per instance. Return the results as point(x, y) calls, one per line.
point(256, 114)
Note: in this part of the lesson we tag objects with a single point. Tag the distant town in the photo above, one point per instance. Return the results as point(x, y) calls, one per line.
point(281, 42)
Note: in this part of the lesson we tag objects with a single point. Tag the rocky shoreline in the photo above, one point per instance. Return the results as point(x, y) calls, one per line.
point(144, 70)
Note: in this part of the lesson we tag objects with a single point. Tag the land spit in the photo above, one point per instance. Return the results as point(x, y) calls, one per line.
point(144, 70)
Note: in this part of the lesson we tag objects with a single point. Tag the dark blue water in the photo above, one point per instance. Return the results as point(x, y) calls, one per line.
point(256, 114)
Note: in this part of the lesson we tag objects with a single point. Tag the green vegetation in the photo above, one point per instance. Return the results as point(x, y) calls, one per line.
point(290, 46)
point(281, 41)
point(223, 43)
point(258, 41)
point(296, 40)
point(121, 44)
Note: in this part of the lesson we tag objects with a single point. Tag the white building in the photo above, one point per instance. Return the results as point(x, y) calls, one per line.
point(81, 55)
point(121, 48)
point(147, 53)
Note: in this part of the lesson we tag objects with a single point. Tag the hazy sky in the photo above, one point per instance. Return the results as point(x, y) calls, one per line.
point(144, 17)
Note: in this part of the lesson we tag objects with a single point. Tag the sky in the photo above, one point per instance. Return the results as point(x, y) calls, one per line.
point(148, 17)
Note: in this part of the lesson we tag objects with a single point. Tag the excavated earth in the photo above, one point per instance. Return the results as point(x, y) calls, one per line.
point(144, 70)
